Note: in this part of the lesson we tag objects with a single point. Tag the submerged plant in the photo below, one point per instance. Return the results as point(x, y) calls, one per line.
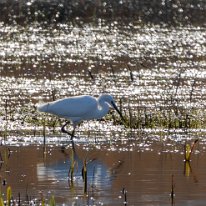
point(84, 175)
point(73, 164)
point(187, 168)
point(189, 149)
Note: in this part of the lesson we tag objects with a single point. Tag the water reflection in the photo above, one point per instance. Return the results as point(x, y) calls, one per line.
point(59, 170)
point(114, 177)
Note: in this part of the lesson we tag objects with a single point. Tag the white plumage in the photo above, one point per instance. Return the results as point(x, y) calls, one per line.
point(79, 108)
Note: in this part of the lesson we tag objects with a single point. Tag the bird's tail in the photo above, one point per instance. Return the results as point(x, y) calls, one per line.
point(43, 107)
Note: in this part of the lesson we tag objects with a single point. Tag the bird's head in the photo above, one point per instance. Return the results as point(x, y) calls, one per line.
point(110, 100)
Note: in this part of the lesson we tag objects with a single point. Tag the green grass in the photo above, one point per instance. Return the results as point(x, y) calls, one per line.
point(9, 199)
point(139, 118)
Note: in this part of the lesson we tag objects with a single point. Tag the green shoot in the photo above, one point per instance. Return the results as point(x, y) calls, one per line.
point(52, 201)
point(189, 149)
point(1, 201)
point(9, 194)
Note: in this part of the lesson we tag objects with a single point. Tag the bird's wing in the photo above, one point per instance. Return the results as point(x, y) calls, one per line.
point(73, 106)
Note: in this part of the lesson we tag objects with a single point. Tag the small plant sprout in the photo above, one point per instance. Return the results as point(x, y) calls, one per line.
point(187, 168)
point(130, 72)
point(124, 192)
point(9, 195)
point(189, 149)
point(1, 201)
point(52, 201)
point(44, 131)
point(90, 73)
point(42, 199)
point(84, 173)
point(1, 198)
point(172, 193)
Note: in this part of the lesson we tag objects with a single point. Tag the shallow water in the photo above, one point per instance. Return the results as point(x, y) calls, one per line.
point(149, 69)
point(154, 73)
point(146, 176)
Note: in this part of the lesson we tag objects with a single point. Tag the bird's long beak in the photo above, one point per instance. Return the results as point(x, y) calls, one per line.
point(120, 114)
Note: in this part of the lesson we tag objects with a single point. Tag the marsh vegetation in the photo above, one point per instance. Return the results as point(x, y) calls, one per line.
point(153, 63)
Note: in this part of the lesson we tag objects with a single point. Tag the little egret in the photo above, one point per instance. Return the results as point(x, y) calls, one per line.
point(79, 108)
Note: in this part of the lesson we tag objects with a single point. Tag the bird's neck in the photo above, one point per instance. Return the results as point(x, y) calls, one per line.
point(103, 109)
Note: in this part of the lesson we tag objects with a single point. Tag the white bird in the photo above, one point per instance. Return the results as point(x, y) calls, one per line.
point(79, 108)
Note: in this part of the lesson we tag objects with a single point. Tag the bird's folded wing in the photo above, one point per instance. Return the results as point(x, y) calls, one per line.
point(73, 107)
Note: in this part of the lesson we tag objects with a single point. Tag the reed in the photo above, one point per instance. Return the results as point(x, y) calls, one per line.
point(1, 201)
point(44, 132)
point(90, 74)
point(158, 118)
point(1, 197)
point(9, 195)
point(84, 175)
point(187, 168)
point(73, 164)
point(172, 193)
point(170, 117)
point(52, 201)
point(42, 200)
point(19, 199)
point(189, 149)
point(10, 201)
point(124, 192)
point(130, 72)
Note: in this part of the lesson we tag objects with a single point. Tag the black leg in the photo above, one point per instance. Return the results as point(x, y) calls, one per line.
point(72, 135)
point(65, 131)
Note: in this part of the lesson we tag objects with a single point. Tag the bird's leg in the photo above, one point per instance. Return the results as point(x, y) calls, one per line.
point(65, 131)
point(63, 127)
point(72, 134)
